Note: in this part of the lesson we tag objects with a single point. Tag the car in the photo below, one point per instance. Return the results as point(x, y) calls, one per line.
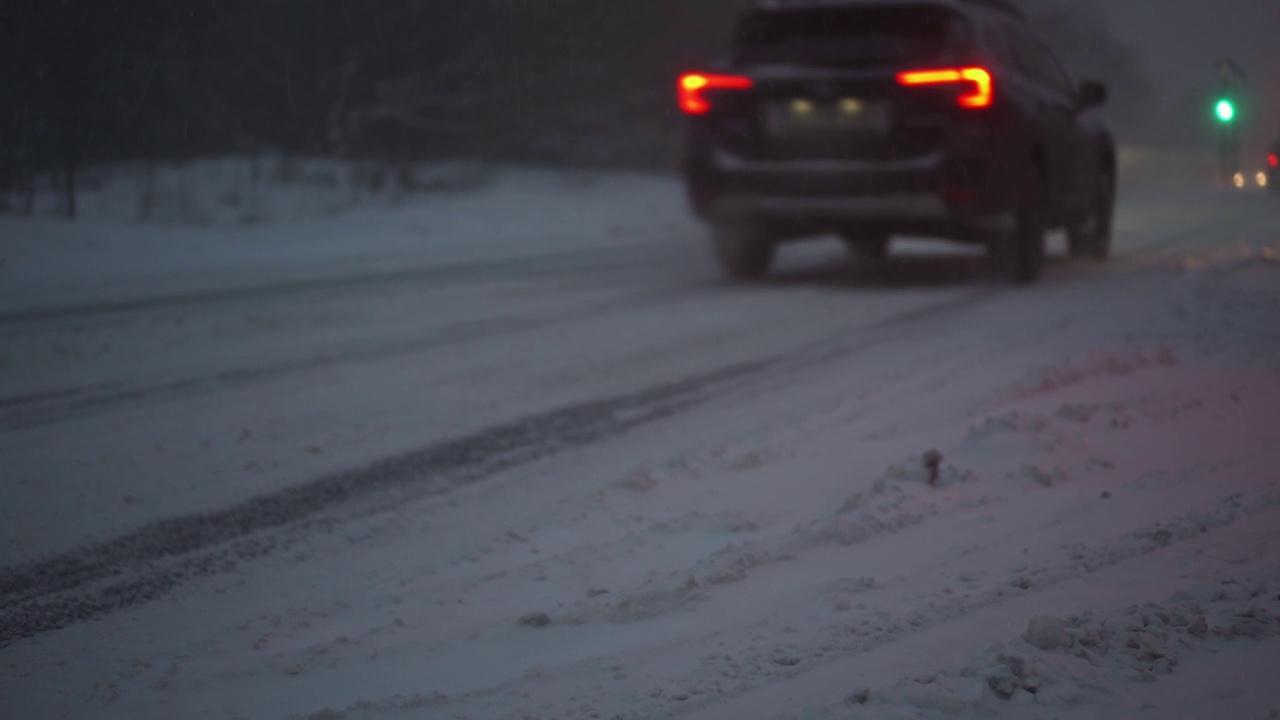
point(1273, 167)
point(875, 118)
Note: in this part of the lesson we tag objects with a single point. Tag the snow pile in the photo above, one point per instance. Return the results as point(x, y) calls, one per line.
point(1043, 381)
point(459, 222)
point(1065, 661)
point(239, 191)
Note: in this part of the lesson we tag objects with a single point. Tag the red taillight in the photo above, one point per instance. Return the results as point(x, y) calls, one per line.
point(983, 86)
point(1273, 160)
point(693, 85)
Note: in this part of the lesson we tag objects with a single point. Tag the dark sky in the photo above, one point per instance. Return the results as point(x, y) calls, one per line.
point(1181, 39)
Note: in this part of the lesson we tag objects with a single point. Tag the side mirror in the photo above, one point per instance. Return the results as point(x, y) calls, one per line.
point(1092, 94)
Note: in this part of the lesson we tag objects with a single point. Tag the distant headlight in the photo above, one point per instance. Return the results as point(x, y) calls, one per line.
point(1262, 179)
point(801, 107)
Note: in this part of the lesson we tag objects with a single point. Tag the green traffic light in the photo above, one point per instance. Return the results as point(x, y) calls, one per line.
point(1226, 111)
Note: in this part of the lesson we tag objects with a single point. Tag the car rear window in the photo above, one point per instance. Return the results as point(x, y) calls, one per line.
point(866, 35)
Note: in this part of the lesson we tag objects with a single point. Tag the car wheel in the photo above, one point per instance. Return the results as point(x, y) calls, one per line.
point(1090, 237)
point(873, 248)
point(743, 251)
point(1018, 255)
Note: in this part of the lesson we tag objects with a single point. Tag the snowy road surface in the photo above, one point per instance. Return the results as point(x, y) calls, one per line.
point(517, 453)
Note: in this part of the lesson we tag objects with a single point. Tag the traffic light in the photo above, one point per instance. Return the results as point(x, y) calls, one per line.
point(1225, 110)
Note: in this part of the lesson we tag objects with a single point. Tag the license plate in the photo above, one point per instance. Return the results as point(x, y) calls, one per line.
point(842, 115)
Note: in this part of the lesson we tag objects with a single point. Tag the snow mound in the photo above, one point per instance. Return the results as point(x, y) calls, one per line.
point(251, 190)
point(1100, 364)
point(654, 603)
point(1064, 661)
point(678, 590)
point(1009, 435)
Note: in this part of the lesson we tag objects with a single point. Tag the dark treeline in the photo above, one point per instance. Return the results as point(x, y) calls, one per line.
point(569, 81)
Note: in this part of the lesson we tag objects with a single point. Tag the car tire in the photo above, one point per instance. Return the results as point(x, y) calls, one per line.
point(1090, 236)
point(874, 248)
point(1018, 255)
point(743, 251)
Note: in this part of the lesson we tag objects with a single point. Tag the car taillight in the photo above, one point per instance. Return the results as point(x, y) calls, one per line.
point(980, 79)
point(693, 85)
point(1273, 160)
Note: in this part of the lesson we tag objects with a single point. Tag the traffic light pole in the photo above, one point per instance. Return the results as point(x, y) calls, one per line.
point(1227, 113)
point(1228, 150)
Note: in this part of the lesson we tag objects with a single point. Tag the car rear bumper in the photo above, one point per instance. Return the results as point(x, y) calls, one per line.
point(730, 174)
point(883, 206)
point(933, 194)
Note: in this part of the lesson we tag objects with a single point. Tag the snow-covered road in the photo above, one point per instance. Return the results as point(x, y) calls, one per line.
point(518, 453)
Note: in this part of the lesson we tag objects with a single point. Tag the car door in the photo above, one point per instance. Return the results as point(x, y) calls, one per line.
point(1084, 160)
point(1057, 108)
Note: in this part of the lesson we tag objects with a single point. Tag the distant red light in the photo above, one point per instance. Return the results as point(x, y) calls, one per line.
point(981, 96)
point(693, 85)
point(1273, 160)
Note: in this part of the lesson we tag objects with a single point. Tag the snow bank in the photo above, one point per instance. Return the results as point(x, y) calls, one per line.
point(244, 191)
point(1061, 662)
point(453, 217)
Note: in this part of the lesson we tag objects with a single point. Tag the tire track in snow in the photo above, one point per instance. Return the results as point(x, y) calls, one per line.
point(437, 275)
point(51, 407)
point(144, 565)
point(48, 408)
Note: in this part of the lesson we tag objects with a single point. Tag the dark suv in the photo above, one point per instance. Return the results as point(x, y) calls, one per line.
point(1273, 166)
point(875, 118)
